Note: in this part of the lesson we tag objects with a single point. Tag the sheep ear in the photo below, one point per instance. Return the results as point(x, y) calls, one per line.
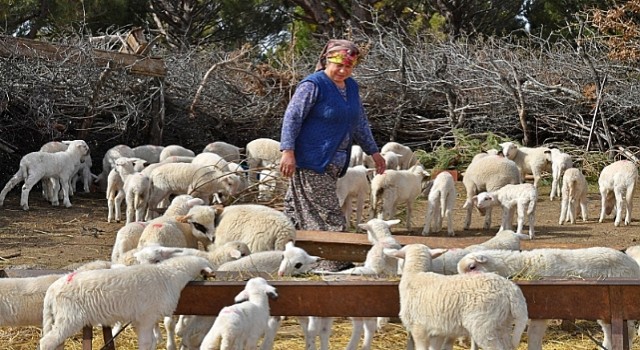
point(392, 222)
point(394, 253)
point(242, 296)
point(436, 252)
point(289, 245)
point(271, 292)
point(183, 218)
point(195, 201)
point(218, 209)
point(365, 227)
point(480, 258)
point(236, 254)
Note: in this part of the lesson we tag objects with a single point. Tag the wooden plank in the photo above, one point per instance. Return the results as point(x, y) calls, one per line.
point(345, 246)
point(136, 64)
point(546, 299)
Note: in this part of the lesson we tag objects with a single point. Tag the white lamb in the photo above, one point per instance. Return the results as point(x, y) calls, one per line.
point(487, 173)
point(406, 160)
point(440, 202)
point(122, 168)
point(357, 156)
point(271, 184)
point(597, 262)
point(435, 308)
point(290, 262)
point(529, 160)
point(109, 161)
point(376, 263)
point(560, 162)
point(181, 231)
point(136, 187)
point(447, 263)
point(237, 169)
point(150, 153)
point(230, 153)
point(259, 226)
point(83, 171)
point(127, 239)
point(522, 197)
point(139, 294)
point(214, 159)
point(392, 160)
point(574, 193)
point(379, 264)
point(21, 300)
point(240, 326)
point(396, 187)
point(37, 165)
point(353, 186)
point(175, 150)
point(186, 178)
point(618, 181)
point(154, 254)
point(261, 153)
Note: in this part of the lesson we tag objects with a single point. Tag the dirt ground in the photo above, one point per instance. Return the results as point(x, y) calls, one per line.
point(55, 237)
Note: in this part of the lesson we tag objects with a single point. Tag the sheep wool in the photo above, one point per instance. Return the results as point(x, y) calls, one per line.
point(140, 294)
point(596, 262)
point(240, 326)
point(434, 308)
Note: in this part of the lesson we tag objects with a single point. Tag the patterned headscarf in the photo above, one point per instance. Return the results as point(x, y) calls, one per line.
point(338, 51)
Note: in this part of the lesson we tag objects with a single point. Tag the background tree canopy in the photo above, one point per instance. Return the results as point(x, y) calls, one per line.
point(537, 72)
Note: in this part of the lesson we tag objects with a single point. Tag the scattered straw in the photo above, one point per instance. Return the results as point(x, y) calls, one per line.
point(391, 337)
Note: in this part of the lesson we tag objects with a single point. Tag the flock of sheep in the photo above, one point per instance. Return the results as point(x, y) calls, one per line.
point(172, 235)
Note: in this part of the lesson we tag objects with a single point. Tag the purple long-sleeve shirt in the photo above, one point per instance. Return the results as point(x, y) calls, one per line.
point(301, 103)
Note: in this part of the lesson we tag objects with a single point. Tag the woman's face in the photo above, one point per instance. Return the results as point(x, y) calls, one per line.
point(338, 72)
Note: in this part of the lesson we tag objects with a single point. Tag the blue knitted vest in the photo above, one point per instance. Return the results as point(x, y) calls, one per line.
point(327, 123)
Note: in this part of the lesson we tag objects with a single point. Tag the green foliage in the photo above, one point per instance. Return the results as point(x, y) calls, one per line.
point(461, 153)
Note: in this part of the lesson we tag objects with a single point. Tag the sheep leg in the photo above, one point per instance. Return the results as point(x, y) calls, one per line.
point(554, 184)
point(603, 201)
point(438, 209)
point(606, 331)
point(521, 214)
point(309, 336)
point(619, 206)
point(54, 338)
point(628, 198)
point(170, 328)
point(427, 219)
point(146, 339)
point(409, 212)
point(64, 183)
point(325, 331)
point(564, 206)
point(436, 343)
point(449, 215)
point(356, 333)
point(370, 327)
point(467, 220)
point(583, 208)
point(359, 209)
point(535, 333)
point(487, 218)
point(346, 210)
point(26, 188)
point(118, 205)
point(270, 334)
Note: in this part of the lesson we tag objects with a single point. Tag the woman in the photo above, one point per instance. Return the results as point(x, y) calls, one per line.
point(323, 119)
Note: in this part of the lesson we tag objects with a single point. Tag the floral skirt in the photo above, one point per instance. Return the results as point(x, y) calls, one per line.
point(311, 201)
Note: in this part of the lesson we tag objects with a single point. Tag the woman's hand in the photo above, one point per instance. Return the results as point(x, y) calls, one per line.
point(381, 164)
point(288, 163)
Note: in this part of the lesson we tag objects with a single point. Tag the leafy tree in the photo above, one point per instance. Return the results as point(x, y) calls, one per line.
point(228, 23)
point(38, 18)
